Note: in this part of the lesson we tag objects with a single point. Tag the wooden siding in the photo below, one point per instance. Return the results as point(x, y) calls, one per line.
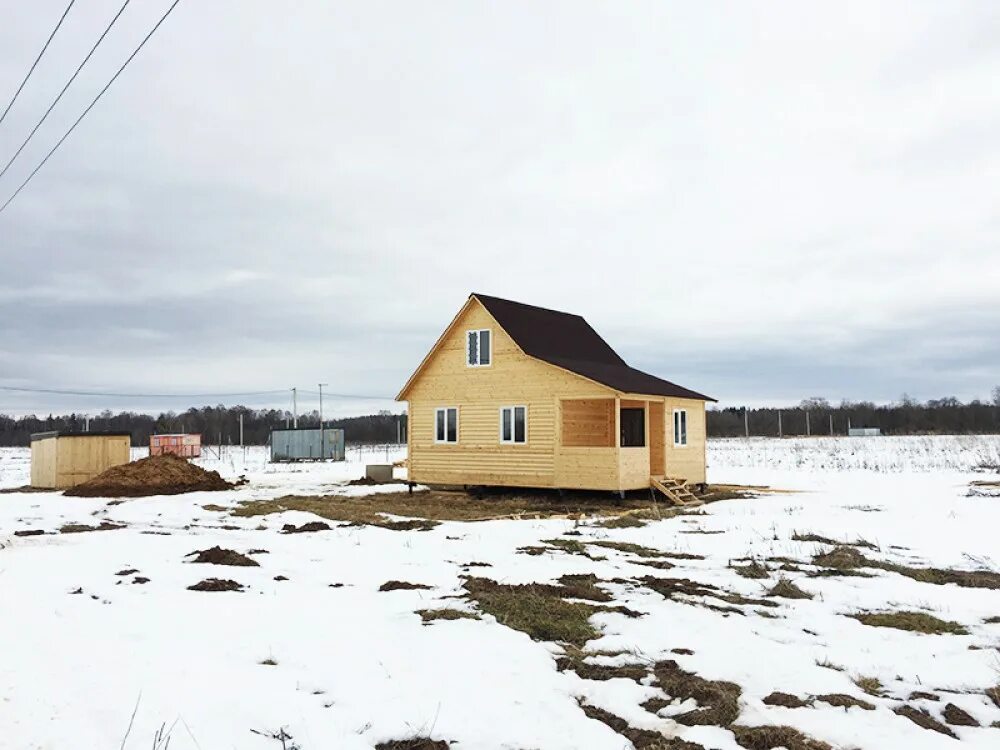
point(686, 461)
point(657, 438)
point(512, 379)
point(68, 460)
point(588, 422)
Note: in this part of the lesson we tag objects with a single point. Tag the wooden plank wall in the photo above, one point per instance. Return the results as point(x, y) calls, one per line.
point(43, 463)
point(588, 422)
point(82, 457)
point(687, 461)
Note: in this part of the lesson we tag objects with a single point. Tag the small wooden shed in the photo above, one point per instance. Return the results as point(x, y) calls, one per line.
point(186, 445)
point(65, 459)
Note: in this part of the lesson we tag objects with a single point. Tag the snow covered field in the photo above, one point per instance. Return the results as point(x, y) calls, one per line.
point(314, 648)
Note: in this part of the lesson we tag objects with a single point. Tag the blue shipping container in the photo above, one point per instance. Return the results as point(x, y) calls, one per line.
point(307, 445)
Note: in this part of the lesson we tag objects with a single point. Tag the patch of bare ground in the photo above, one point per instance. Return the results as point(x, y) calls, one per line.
point(413, 743)
point(79, 528)
point(810, 537)
point(483, 504)
point(432, 615)
point(923, 695)
point(993, 694)
point(958, 717)
point(29, 532)
point(785, 589)
point(575, 660)
point(216, 584)
point(770, 737)
point(922, 718)
point(306, 528)
point(157, 475)
point(842, 700)
point(754, 570)
point(671, 588)
point(786, 699)
point(870, 685)
point(214, 508)
point(844, 558)
point(219, 556)
point(402, 586)
point(917, 622)
point(641, 739)
point(718, 701)
point(536, 609)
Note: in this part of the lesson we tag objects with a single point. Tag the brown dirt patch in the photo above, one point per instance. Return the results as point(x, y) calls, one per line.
point(768, 738)
point(785, 699)
point(842, 700)
point(401, 586)
point(575, 660)
point(922, 695)
point(993, 694)
point(127, 571)
point(157, 475)
point(641, 739)
point(923, 719)
point(670, 588)
point(718, 701)
point(29, 532)
point(219, 556)
point(917, 622)
point(958, 717)
point(79, 528)
point(216, 584)
point(841, 557)
point(306, 528)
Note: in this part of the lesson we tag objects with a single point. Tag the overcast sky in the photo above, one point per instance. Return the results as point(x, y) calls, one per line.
point(760, 201)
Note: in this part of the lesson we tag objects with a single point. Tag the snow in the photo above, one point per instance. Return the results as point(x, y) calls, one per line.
point(356, 666)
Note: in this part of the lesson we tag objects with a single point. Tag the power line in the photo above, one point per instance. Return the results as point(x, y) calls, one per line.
point(35, 63)
point(91, 105)
point(68, 84)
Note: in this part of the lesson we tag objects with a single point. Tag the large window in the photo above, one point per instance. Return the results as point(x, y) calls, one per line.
point(446, 424)
point(479, 349)
point(680, 427)
point(633, 424)
point(514, 425)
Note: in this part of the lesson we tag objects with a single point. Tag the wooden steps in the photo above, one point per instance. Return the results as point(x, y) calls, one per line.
point(675, 489)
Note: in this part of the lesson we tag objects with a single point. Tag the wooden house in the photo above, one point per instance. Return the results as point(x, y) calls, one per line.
point(521, 396)
point(66, 459)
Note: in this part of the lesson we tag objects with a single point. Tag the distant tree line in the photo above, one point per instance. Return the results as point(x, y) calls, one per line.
point(222, 424)
point(216, 424)
point(907, 417)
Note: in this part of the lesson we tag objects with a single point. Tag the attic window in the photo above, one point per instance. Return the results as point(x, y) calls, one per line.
point(479, 348)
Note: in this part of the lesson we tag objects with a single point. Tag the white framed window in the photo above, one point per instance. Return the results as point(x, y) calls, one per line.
point(446, 424)
point(479, 348)
point(514, 425)
point(680, 427)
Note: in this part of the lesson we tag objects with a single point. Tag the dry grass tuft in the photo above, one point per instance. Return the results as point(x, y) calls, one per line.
point(641, 739)
point(753, 570)
point(718, 701)
point(827, 664)
point(770, 737)
point(916, 622)
point(787, 700)
point(402, 586)
point(923, 719)
point(993, 694)
point(535, 609)
point(870, 685)
point(958, 717)
point(447, 613)
point(575, 660)
point(413, 743)
point(841, 700)
point(788, 590)
point(841, 558)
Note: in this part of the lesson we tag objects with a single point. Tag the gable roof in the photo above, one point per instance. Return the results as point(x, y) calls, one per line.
point(568, 341)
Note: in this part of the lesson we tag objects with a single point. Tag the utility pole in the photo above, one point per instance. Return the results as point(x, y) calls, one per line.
point(779, 424)
point(746, 423)
point(831, 425)
point(295, 408)
point(322, 432)
point(808, 432)
point(241, 429)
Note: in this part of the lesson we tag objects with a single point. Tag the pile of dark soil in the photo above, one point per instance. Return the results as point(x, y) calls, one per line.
point(216, 584)
point(787, 700)
point(220, 556)
point(958, 717)
point(157, 475)
point(923, 719)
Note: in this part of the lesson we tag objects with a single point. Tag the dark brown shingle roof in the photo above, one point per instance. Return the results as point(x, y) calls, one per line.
point(568, 341)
